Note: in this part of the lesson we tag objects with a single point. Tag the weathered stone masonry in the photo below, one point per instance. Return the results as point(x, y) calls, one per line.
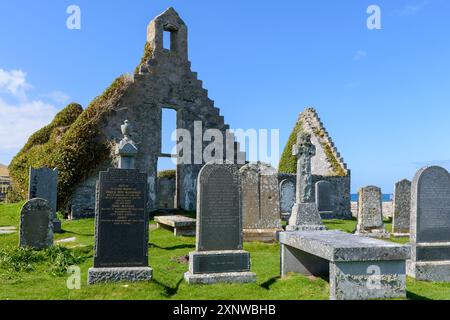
point(164, 80)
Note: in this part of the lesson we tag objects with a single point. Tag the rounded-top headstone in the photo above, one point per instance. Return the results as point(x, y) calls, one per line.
point(287, 196)
point(36, 228)
point(430, 205)
point(219, 212)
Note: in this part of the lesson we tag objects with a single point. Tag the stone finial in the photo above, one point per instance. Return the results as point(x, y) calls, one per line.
point(126, 150)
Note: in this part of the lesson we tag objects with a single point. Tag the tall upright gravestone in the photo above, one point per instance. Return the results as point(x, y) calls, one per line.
point(43, 184)
point(402, 208)
point(121, 222)
point(287, 198)
point(305, 215)
point(370, 213)
point(260, 202)
point(430, 225)
point(36, 230)
point(220, 256)
point(325, 197)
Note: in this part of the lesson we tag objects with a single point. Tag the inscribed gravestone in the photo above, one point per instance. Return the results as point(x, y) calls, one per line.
point(36, 230)
point(430, 225)
point(43, 184)
point(121, 232)
point(370, 213)
point(325, 196)
point(260, 200)
point(287, 196)
point(402, 207)
point(219, 256)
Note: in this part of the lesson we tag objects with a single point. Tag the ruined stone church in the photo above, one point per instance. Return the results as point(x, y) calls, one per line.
point(80, 143)
point(164, 79)
point(328, 167)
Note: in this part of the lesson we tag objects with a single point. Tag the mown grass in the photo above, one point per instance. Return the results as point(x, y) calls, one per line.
point(42, 282)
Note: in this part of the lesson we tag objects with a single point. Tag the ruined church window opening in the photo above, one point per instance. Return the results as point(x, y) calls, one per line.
point(168, 132)
point(167, 40)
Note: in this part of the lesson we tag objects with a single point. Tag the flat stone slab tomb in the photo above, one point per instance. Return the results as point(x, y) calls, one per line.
point(181, 226)
point(358, 268)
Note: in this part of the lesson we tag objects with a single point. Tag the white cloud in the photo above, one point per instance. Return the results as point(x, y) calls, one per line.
point(13, 82)
point(359, 55)
point(57, 96)
point(21, 115)
point(412, 9)
point(19, 121)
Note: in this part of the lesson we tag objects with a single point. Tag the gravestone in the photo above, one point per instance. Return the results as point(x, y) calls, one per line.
point(220, 256)
point(287, 198)
point(305, 216)
point(325, 197)
point(430, 225)
point(43, 184)
point(165, 198)
point(36, 229)
point(402, 208)
point(260, 202)
point(121, 228)
point(370, 213)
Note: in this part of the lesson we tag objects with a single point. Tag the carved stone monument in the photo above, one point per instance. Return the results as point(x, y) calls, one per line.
point(430, 225)
point(36, 229)
point(260, 202)
point(305, 216)
point(287, 198)
point(370, 213)
point(43, 184)
point(126, 150)
point(402, 208)
point(220, 256)
point(121, 222)
point(325, 197)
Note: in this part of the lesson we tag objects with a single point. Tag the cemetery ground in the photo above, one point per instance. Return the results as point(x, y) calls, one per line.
point(26, 274)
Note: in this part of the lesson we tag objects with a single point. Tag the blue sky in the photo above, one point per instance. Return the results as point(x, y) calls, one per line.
point(384, 95)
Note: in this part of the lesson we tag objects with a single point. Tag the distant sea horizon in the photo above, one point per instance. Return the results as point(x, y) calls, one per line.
point(384, 197)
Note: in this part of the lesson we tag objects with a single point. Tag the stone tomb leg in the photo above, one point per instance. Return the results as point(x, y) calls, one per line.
point(357, 268)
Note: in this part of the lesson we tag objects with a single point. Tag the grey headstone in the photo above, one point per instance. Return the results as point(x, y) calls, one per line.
point(219, 256)
point(402, 207)
point(430, 225)
point(219, 208)
point(260, 197)
point(165, 198)
point(431, 206)
point(325, 196)
point(370, 212)
point(36, 230)
point(287, 196)
point(43, 184)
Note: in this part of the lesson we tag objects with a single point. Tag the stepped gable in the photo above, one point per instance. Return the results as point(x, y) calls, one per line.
point(163, 80)
point(328, 161)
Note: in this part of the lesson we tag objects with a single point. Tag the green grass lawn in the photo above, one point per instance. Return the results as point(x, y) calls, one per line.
point(39, 281)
